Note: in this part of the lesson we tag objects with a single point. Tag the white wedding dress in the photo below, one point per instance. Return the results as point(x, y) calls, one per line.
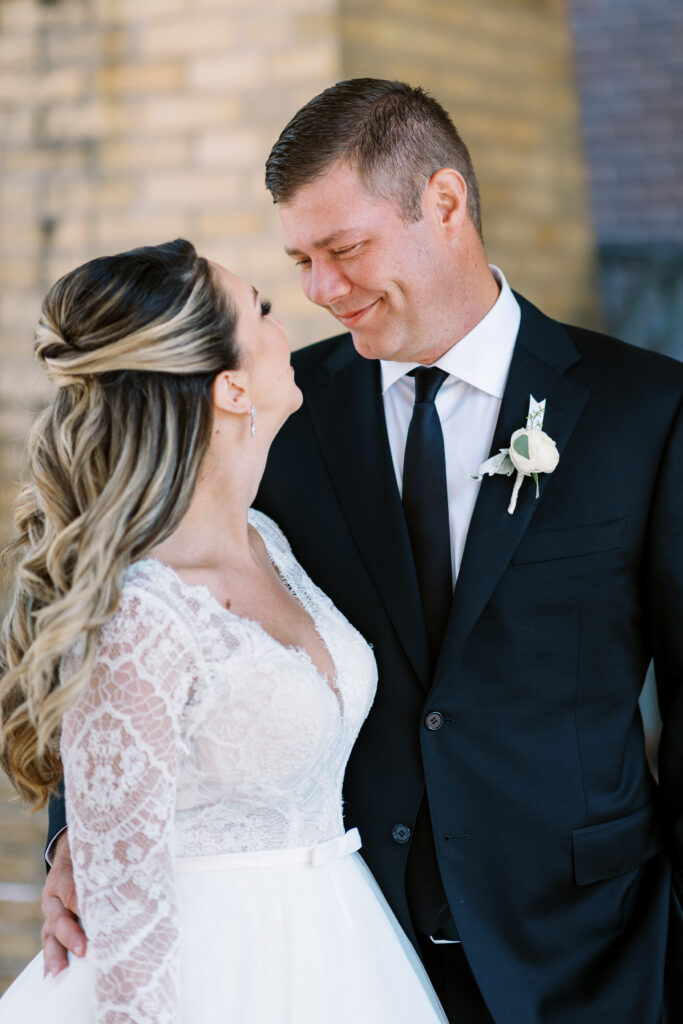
point(204, 766)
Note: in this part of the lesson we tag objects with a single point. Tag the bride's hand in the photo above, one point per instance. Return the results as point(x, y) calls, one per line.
point(61, 930)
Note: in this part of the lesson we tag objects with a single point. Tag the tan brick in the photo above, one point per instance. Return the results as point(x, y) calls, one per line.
point(19, 236)
point(15, 85)
point(118, 233)
point(16, 51)
point(188, 35)
point(129, 154)
point(19, 15)
point(190, 189)
point(231, 226)
point(19, 376)
point(18, 126)
point(137, 10)
point(71, 233)
point(80, 46)
point(59, 84)
point(87, 194)
point(239, 71)
point(237, 146)
point(161, 115)
point(139, 78)
point(305, 62)
point(91, 119)
point(18, 273)
point(17, 310)
point(223, 5)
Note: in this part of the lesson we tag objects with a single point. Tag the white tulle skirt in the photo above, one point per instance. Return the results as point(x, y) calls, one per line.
point(276, 937)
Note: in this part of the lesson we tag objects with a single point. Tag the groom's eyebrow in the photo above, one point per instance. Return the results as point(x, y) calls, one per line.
point(322, 243)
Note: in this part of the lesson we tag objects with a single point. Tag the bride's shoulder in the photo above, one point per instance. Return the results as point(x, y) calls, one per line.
point(148, 600)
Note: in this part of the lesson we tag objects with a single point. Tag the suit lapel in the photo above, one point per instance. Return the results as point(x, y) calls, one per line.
point(348, 418)
point(543, 352)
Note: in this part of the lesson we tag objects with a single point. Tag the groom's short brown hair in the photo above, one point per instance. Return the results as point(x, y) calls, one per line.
point(394, 136)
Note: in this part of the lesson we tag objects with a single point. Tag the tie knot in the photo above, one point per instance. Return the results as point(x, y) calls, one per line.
point(428, 380)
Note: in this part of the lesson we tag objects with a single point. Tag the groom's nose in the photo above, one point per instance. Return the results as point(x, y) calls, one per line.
point(325, 283)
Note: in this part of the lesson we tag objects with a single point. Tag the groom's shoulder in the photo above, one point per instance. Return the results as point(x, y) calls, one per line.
point(602, 357)
point(323, 358)
point(610, 363)
point(606, 348)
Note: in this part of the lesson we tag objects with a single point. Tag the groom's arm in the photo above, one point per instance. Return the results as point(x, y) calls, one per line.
point(61, 930)
point(56, 822)
point(664, 600)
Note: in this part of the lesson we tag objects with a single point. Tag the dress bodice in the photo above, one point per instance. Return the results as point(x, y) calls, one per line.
point(199, 734)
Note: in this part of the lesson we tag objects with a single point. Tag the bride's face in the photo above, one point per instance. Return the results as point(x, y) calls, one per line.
point(265, 353)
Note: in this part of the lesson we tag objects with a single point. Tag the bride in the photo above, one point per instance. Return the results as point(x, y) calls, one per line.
point(166, 652)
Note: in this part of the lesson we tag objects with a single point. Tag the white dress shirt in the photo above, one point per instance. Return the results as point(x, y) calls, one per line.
point(468, 403)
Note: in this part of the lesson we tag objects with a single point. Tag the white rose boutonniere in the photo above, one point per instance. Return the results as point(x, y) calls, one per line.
point(531, 452)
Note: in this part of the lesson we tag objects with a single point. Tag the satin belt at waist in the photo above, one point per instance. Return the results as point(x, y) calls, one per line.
point(315, 856)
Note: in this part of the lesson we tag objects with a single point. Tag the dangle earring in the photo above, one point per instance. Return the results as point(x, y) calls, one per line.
point(252, 413)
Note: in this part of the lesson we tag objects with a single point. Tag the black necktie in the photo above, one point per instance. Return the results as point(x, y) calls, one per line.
point(425, 503)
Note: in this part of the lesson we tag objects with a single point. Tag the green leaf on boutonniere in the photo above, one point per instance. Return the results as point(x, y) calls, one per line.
point(521, 445)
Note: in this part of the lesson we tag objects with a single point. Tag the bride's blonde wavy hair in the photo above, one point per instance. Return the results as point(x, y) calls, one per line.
point(133, 343)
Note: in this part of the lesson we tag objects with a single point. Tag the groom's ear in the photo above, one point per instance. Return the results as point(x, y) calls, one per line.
point(446, 201)
point(229, 392)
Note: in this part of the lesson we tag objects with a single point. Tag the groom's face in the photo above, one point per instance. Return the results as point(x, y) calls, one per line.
point(377, 274)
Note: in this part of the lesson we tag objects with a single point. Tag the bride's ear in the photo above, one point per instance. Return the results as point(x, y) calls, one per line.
point(229, 393)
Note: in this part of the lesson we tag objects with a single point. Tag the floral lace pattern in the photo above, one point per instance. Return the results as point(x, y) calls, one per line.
point(198, 734)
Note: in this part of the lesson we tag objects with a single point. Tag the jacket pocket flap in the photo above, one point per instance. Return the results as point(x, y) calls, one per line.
point(592, 539)
point(614, 848)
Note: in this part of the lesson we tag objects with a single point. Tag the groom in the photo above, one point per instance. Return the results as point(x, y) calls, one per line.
point(500, 782)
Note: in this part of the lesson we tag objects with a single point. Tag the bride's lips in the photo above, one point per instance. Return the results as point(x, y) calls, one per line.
point(351, 319)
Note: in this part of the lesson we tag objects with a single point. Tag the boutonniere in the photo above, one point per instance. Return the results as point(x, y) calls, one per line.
point(531, 452)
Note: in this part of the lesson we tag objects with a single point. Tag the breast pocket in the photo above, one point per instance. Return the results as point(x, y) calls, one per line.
point(571, 542)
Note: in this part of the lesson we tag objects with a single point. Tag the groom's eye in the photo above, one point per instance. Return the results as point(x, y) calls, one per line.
point(265, 307)
point(348, 251)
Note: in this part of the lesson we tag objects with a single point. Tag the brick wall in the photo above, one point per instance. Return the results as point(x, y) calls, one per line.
point(128, 122)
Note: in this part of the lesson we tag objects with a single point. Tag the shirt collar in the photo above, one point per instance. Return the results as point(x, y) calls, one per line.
point(482, 357)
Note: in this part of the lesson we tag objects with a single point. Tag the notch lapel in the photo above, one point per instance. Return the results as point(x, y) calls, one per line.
point(543, 353)
point(347, 413)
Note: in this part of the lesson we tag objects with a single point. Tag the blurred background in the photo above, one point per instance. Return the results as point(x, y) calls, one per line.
point(129, 122)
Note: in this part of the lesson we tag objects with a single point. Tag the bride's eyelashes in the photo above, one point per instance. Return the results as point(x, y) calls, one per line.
point(265, 307)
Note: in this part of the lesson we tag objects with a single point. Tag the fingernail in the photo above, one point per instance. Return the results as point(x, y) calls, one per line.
point(79, 949)
point(54, 971)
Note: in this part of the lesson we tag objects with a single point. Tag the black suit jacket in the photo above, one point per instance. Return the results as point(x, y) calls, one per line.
point(554, 843)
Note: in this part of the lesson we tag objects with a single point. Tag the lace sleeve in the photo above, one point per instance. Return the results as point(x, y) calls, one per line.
point(120, 747)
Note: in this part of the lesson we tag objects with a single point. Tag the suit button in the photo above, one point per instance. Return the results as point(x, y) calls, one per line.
point(434, 720)
point(401, 834)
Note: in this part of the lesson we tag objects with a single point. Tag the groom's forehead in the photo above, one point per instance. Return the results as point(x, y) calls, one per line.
point(327, 212)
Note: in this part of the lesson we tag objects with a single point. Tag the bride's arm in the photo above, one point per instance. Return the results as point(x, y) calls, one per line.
point(120, 747)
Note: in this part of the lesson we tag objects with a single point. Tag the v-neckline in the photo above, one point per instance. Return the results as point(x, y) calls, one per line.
point(330, 684)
